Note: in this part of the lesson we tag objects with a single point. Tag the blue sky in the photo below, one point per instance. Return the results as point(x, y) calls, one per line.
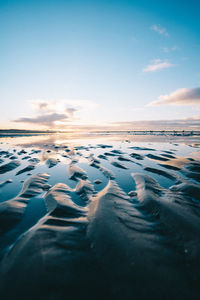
point(99, 64)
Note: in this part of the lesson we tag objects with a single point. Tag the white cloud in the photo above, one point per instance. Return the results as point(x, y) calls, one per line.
point(167, 49)
point(157, 65)
point(182, 96)
point(53, 113)
point(44, 120)
point(192, 123)
point(60, 104)
point(159, 29)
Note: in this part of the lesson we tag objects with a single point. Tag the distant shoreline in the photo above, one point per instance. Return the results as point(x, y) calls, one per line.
point(19, 132)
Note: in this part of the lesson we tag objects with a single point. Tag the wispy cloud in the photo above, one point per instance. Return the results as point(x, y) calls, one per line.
point(170, 49)
point(157, 65)
point(60, 104)
point(159, 29)
point(192, 123)
point(44, 120)
point(54, 113)
point(182, 96)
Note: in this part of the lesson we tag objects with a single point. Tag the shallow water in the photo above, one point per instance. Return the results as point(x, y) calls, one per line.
point(170, 162)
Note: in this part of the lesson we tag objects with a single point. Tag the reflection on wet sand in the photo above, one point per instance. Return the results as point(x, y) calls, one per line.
point(116, 216)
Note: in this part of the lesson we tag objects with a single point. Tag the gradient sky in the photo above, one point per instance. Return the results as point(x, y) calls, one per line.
point(100, 64)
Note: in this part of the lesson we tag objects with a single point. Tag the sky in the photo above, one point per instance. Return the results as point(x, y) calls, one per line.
point(100, 65)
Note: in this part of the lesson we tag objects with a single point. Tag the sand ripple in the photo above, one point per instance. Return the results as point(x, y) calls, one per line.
point(135, 234)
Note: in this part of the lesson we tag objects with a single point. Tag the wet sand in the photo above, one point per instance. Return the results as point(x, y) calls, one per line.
point(99, 217)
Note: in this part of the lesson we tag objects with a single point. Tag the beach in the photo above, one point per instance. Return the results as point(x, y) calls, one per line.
point(105, 216)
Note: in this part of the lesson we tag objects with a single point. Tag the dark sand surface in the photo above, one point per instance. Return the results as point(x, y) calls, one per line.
point(100, 217)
